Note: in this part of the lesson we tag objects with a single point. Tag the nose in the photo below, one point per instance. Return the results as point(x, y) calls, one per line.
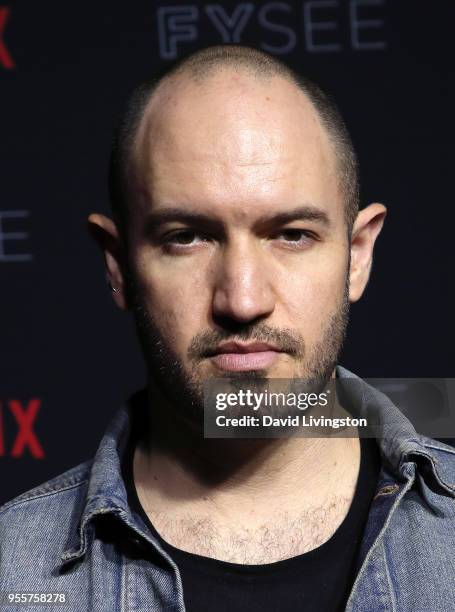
point(243, 292)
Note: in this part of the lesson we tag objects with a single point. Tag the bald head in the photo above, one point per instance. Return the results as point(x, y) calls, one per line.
point(236, 104)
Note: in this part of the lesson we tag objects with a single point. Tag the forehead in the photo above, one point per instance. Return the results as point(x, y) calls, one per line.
point(236, 141)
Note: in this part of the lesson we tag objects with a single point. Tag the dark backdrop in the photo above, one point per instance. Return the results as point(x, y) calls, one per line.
point(68, 358)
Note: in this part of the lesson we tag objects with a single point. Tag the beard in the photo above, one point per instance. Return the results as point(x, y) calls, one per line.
point(183, 387)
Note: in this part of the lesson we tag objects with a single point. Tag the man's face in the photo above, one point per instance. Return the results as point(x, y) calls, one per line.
point(238, 249)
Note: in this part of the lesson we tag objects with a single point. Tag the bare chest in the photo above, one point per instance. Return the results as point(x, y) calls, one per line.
point(279, 536)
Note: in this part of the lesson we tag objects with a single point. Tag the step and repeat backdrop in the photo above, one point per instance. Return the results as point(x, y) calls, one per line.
point(68, 357)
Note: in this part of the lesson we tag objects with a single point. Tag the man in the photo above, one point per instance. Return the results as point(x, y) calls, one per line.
point(238, 245)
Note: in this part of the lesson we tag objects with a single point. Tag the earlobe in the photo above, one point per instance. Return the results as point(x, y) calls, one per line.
point(366, 229)
point(106, 234)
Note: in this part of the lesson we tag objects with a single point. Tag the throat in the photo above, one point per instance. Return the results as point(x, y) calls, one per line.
point(290, 508)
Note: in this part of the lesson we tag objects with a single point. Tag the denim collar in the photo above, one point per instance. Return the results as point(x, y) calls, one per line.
point(398, 441)
point(106, 491)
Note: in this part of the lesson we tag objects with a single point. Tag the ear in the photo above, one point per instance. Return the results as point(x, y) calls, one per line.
point(107, 236)
point(365, 230)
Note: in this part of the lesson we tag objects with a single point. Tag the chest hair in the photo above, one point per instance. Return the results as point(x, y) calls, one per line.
point(281, 536)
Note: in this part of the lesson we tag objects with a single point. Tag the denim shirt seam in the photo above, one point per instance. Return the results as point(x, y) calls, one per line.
point(377, 542)
point(389, 582)
point(15, 503)
point(138, 529)
point(439, 448)
point(124, 588)
point(84, 543)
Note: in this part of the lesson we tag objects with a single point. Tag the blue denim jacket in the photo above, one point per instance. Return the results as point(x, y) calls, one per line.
point(76, 534)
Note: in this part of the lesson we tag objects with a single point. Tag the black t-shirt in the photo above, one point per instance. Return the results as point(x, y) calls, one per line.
point(317, 581)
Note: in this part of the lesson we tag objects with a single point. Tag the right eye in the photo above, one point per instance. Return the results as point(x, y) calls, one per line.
point(183, 239)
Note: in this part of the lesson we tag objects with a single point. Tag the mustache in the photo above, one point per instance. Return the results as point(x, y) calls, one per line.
point(286, 340)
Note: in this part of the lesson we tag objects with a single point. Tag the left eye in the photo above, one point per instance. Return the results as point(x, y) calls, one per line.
point(184, 238)
point(294, 235)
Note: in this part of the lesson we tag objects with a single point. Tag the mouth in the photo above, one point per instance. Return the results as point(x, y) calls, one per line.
point(238, 357)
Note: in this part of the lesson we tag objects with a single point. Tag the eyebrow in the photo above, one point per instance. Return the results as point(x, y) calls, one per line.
point(308, 212)
point(171, 214)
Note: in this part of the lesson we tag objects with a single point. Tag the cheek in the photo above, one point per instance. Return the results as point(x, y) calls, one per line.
point(177, 299)
point(311, 295)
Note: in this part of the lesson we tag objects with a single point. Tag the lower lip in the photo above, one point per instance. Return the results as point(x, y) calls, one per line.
point(241, 362)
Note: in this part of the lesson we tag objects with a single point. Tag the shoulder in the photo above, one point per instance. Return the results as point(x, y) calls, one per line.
point(48, 491)
point(37, 527)
point(37, 512)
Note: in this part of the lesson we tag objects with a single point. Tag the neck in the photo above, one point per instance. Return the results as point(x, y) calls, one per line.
point(176, 467)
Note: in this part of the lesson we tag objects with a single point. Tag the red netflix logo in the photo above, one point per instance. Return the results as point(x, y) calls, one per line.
point(5, 58)
point(26, 439)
